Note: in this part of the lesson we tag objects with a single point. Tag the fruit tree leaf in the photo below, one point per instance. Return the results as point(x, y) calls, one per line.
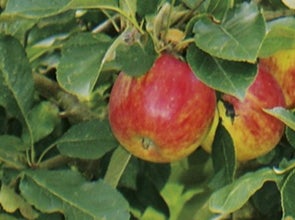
point(35, 8)
point(285, 115)
point(223, 156)
point(8, 217)
point(40, 9)
point(145, 7)
point(287, 194)
point(103, 4)
point(80, 64)
point(43, 118)
point(87, 140)
point(238, 37)
point(129, 7)
point(290, 134)
point(11, 151)
point(137, 57)
point(115, 169)
point(280, 36)
point(229, 77)
point(219, 8)
point(67, 192)
point(233, 196)
point(15, 71)
point(285, 166)
point(16, 27)
point(11, 202)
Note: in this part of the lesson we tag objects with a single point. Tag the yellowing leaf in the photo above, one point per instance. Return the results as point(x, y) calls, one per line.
point(11, 201)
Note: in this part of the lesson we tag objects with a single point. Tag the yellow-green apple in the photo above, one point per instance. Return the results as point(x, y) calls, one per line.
point(282, 66)
point(254, 132)
point(163, 115)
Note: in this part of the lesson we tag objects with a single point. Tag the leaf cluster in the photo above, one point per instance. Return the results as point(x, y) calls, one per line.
point(58, 156)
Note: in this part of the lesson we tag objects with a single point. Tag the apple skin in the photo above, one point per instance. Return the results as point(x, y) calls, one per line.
point(282, 66)
point(163, 115)
point(253, 131)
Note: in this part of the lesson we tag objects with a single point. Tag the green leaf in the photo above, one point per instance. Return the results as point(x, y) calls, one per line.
point(290, 134)
point(87, 140)
point(285, 166)
point(223, 156)
point(15, 72)
point(198, 207)
point(287, 194)
point(11, 202)
point(35, 8)
point(238, 37)
point(135, 58)
point(67, 192)
point(233, 196)
point(219, 8)
point(285, 115)
point(11, 151)
point(103, 4)
point(270, 193)
point(115, 169)
point(280, 36)
point(228, 77)
point(81, 62)
point(41, 9)
point(193, 4)
point(129, 7)
point(43, 118)
point(145, 7)
point(8, 217)
point(16, 27)
point(149, 196)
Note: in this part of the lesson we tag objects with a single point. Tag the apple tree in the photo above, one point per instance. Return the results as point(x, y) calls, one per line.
point(59, 155)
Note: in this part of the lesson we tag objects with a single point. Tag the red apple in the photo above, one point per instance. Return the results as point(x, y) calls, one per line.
point(282, 66)
point(254, 132)
point(163, 115)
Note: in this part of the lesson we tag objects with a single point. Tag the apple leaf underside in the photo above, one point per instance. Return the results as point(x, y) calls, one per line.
point(233, 196)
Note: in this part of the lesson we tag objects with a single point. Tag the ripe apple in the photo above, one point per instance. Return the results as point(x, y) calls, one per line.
point(163, 115)
point(254, 132)
point(282, 66)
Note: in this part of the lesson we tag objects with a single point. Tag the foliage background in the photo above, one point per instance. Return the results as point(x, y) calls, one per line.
point(58, 61)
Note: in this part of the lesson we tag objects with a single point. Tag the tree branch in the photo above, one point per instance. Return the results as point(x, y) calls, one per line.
point(72, 106)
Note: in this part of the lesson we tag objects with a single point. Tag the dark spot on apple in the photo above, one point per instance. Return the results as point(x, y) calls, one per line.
point(229, 110)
